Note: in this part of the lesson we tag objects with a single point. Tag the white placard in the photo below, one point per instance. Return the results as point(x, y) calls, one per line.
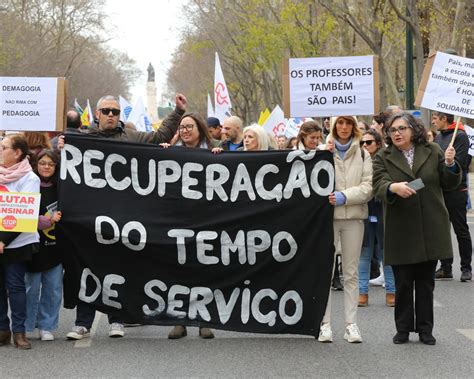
point(450, 87)
point(470, 134)
point(28, 103)
point(331, 86)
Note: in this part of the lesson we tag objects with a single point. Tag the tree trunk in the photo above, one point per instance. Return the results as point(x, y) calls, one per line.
point(458, 26)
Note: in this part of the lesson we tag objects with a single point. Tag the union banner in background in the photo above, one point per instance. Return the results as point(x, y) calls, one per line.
point(236, 241)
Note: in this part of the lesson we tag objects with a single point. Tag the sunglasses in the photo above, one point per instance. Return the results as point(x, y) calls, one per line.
point(368, 143)
point(106, 111)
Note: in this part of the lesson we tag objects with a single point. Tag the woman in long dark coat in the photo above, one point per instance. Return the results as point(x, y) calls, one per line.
point(417, 230)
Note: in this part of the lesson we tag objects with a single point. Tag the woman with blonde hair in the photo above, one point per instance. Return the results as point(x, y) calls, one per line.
point(255, 138)
point(353, 190)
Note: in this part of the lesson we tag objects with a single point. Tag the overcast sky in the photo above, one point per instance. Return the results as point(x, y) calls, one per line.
point(147, 30)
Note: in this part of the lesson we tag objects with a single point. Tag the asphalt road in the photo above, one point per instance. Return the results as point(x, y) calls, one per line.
point(146, 351)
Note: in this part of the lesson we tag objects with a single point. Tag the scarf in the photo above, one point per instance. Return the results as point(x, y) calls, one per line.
point(15, 172)
point(342, 148)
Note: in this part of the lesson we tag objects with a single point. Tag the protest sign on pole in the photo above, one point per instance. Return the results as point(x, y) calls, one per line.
point(293, 126)
point(222, 104)
point(275, 124)
point(148, 246)
point(470, 134)
point(32, 104)
point(330, 86)
point(19, 212)
point(447, 85)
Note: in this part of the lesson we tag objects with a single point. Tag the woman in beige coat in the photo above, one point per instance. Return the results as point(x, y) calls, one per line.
point(353, 189)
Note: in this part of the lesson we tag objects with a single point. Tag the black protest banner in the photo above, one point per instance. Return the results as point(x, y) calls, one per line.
point(236, 241)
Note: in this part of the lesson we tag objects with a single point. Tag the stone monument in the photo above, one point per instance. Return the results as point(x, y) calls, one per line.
point(151, 95)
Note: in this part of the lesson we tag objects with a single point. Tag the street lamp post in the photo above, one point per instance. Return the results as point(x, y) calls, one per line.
point(409, 91)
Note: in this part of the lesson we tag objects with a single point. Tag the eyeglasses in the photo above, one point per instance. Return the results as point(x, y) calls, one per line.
point(368, 142)
point(400, 129)
point(49, 164)
point(187, 127)
point(6, 147)
point(106, 111)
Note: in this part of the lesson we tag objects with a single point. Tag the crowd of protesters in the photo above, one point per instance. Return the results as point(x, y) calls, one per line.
point(379, 214)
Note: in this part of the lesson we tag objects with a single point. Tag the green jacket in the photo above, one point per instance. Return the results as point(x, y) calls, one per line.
point(417, 229)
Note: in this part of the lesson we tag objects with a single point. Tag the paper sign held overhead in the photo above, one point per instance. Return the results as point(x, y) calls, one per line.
point(330, 86)
point(447, 85)
point(32, 104)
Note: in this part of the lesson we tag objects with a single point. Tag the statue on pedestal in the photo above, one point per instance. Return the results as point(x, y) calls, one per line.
point(151, 73)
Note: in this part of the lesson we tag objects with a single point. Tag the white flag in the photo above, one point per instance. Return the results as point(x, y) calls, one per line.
point(210, 108)
point(139, 117)
point(125, 109)
point(90, 114)
point(275, 124)
point(221, 95)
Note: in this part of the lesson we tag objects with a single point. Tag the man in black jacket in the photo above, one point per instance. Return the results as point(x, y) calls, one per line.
point(456, 201)
point(109, 126)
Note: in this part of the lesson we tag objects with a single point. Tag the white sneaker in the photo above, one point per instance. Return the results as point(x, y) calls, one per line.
point(352, 334)
point(378, 281)
point(116, 330)
point(78, 333)
point(325, 333)
point(46, 335)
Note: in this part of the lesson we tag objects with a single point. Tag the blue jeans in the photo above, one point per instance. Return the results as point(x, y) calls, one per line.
point(44, 293)
point(374, 245)
point(12, 280)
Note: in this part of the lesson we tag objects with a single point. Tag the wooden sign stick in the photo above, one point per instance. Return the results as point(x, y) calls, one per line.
point(455, 131)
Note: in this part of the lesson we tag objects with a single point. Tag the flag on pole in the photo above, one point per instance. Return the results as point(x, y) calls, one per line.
point(221, 94)
point(139, 117)
point(210, 108)
point(263, 116)
point(78, 107)
point(125, 109)
point(87, 118)
point(275, 124)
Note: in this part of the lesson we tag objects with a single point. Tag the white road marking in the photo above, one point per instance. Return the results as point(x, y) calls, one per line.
point(86, 342)
point(469, 333)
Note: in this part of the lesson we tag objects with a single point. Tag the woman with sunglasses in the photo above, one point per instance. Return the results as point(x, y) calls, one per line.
point(193, 133)
point(410, 175)
point(353, 189)
point(16, 249)
point(373, 235)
